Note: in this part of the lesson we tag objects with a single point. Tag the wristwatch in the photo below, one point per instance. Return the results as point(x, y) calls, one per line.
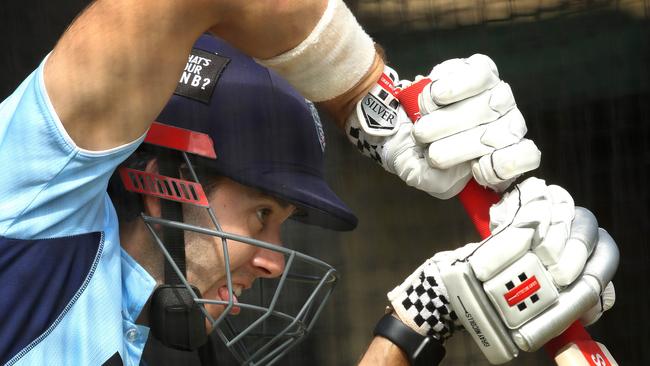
point(420, 350)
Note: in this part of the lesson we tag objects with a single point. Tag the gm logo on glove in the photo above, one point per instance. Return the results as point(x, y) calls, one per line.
point(527, 289)
point(535, 285)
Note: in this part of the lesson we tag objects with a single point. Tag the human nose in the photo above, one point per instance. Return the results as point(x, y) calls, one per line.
point(268, 263)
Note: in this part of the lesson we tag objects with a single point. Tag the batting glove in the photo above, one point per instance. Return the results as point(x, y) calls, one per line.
point(546, 265)
point(470, 126)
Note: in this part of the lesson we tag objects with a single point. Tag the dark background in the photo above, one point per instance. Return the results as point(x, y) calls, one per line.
point(580, 71)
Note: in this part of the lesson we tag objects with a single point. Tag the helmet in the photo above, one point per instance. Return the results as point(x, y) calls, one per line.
point(231, 117)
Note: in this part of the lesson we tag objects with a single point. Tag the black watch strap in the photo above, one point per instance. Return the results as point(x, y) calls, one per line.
point(419, 349)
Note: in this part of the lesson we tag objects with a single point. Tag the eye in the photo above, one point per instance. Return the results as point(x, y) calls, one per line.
point(263, 214)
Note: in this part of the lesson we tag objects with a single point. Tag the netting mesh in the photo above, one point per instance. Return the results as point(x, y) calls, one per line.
point(378, 15)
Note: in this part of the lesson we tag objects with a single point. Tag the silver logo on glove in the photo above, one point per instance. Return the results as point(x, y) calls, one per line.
point(377, 112)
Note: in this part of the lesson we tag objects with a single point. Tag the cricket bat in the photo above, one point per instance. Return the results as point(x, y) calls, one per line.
point(574, 347)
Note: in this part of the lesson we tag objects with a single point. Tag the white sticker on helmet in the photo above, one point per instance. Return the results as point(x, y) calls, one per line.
point(318, 124)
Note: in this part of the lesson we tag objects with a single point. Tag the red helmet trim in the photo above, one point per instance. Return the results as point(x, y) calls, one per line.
point(181, 139)
point(173, 189)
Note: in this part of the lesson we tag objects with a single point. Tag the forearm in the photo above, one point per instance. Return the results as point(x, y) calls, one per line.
point(116, 66)
point(264, 29)
point(381, 351)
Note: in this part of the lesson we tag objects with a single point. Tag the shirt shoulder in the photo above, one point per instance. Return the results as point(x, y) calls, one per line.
point(56, 188)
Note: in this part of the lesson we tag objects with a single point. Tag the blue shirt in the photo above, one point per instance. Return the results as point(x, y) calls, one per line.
point(69, 294)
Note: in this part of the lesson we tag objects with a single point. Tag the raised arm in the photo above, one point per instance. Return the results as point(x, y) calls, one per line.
point(116, 66)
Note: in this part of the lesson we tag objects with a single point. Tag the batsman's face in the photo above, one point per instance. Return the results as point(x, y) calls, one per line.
point(240, 210)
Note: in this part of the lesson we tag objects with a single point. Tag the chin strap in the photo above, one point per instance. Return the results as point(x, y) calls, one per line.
point(176, 319)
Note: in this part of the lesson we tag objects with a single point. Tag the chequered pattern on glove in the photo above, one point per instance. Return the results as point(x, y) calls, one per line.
point(356, 137)
point(421, 302)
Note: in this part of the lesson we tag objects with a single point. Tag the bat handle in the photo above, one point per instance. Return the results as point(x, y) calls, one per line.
point(477, 201)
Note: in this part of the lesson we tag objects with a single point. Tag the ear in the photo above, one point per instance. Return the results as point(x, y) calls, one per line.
point(151, 204)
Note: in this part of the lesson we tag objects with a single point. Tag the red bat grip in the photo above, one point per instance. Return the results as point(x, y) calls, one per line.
point(477, 201)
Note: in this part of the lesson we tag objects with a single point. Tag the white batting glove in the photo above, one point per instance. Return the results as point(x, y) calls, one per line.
point(468, 114)
point(469, 126)
point(546, 265)
point(381, 130)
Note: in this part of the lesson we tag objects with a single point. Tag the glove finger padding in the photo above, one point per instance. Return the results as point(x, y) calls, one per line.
point(519, 222)
point(466, 114)
point(476, 142)
point(412, 168)
point(528, 204)
point(458, 79)
point(401, 156)
point(506, 164)
point(565, 262)
point(607, 300)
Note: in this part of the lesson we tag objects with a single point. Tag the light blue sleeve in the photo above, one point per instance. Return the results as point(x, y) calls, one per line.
point(49, 187)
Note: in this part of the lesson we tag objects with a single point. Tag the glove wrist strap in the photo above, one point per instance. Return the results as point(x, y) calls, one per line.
point(420, 350)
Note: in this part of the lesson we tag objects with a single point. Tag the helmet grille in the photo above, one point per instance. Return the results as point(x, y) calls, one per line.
point(169, 188)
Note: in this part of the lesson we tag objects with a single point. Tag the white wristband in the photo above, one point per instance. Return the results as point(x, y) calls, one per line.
point(331, 60)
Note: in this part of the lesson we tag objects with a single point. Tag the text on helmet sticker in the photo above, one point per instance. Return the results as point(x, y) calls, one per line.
point(200, 75)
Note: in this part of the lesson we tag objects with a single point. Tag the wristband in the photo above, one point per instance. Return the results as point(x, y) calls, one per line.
point(419, 350)
point(334, 58)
